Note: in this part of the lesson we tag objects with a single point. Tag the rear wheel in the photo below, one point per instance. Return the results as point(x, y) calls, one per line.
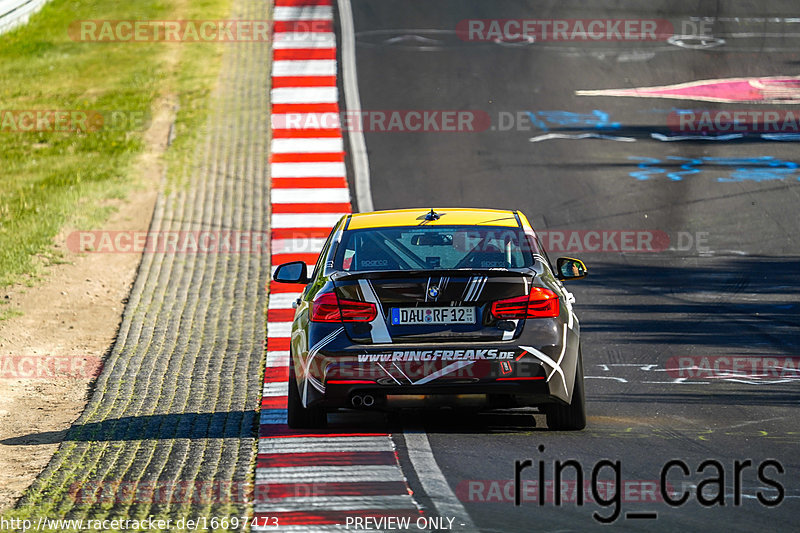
point(570, 417)
point(300, 417)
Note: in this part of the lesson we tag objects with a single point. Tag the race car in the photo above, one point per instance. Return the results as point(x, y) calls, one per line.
point(430, 308)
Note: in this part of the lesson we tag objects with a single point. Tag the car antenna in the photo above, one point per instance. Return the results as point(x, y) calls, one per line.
point(433, 215)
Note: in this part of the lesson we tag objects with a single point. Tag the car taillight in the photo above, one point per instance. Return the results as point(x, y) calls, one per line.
point(540, 303)
point(328, 308)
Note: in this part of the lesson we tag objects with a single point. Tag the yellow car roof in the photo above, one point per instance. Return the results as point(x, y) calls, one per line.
point(447, 217)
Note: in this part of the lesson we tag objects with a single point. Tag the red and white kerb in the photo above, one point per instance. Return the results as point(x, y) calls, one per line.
point(311, 481)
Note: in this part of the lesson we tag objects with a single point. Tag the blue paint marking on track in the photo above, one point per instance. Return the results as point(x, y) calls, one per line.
point(646, 170)
point(597, 119)
point(738, 169)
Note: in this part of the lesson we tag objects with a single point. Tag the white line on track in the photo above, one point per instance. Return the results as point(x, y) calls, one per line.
point(433, 481)
point(358, 147)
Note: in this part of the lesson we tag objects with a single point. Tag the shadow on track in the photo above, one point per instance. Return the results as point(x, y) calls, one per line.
point(223, 425)
point(785, 398)
point(748, 304)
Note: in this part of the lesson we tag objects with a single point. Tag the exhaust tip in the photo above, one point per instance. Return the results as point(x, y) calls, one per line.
point(368, 400)
point(356, 401)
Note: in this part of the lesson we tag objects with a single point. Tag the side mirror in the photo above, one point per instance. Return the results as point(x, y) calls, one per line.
point(569, 268)
point(294, 272)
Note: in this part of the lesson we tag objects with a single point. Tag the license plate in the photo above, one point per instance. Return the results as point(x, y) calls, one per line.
point(432, 315)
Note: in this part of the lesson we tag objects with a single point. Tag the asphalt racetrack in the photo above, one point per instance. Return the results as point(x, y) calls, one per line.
point(691, 344)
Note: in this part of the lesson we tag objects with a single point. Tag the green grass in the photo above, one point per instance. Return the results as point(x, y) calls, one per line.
point(195, 80)
point(50, 180)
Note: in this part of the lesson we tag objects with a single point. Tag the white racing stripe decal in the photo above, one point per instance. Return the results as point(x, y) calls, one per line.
point(474, 288)
point(379, 331)
point(443, 372)
point(401, 371)
point(312, 353)
point(508, 335)
point(554, 365)
point(388, 374)
point(468, 289)
point(480, 288)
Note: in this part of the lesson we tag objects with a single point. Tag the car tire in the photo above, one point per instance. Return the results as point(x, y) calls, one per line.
point(570, 417)
point(299, 417)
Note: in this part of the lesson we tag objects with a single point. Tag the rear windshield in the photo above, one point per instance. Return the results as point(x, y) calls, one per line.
point(434, 248)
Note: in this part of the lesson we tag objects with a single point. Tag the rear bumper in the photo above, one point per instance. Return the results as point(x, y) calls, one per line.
point(507, 375)
point(484, 394)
